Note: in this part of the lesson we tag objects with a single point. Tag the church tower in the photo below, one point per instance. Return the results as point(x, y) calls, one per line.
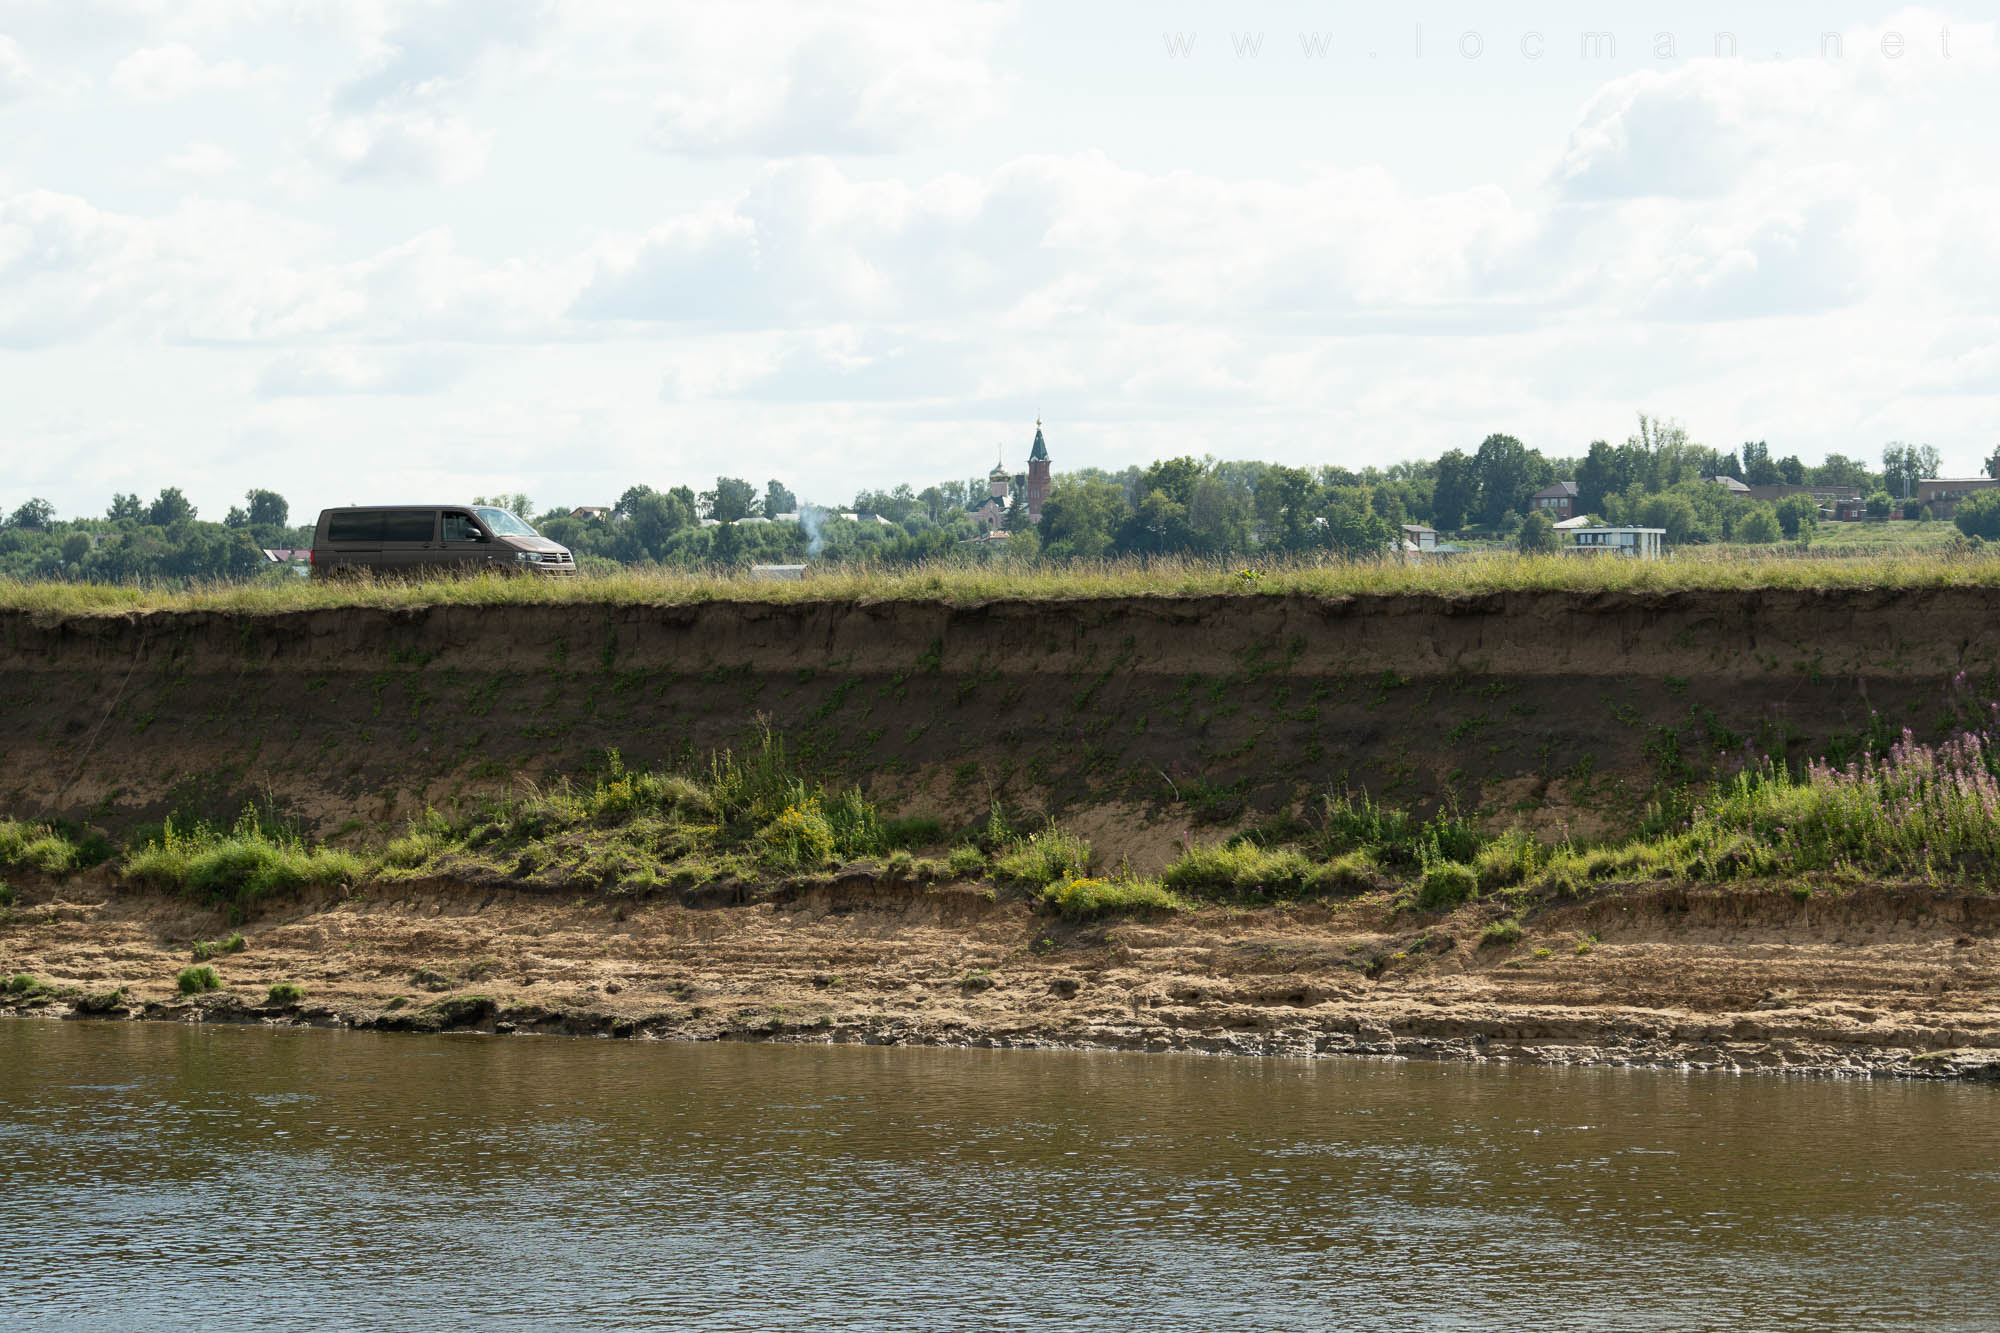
point(1038, 475)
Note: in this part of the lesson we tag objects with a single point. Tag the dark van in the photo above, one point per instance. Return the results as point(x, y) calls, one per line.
point(417, 540)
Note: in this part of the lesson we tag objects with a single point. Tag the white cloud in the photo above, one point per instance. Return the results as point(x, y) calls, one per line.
point(214, 272)
point(405, 145)
point(810, 243)
point(399, 118)
point(353, 370)
point(772, 77)
point(1711, 126)
point(164, 73)
point(18, 79)
point(200, 161)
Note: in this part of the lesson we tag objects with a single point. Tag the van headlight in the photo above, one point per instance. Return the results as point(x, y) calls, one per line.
point(527, 558)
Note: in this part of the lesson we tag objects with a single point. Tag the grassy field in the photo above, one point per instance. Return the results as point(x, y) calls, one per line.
point(1862, 560)
point(1899, 538)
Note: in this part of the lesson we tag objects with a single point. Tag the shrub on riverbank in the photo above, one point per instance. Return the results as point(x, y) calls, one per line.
point(741, 814)
point(1916, 811)
point(198, 980)
point(239, 866)
point(1044, 858)
point(1082, 897)
point(49, 848)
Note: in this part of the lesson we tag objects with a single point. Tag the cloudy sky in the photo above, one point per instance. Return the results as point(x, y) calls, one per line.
point(399, 249)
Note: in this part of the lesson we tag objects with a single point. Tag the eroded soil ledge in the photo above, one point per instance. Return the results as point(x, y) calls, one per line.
point(1895, 981)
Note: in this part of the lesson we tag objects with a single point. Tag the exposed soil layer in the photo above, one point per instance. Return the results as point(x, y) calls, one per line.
point(1561, 707)
point(1888, 981)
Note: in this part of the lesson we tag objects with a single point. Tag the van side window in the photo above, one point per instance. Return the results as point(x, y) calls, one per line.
point(355, 525)
point(409, 525)
point(460, 528)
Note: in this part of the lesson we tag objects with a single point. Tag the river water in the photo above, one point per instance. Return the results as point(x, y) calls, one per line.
point(169, 1177)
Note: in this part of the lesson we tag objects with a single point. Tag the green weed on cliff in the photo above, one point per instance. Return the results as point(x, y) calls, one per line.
point(1082, 897)
point(739, 813)
point(1240, 870)
point(238, 866)
point(1044, 858)
point(49, 848)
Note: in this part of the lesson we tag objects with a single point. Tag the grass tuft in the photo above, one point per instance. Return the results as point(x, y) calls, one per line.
point(239, 866)
point(1053, 855)
point(1446, 884)
point(47, 848)
point(207, 949)
point(1081, 897)
point(1242, 869)
point(198, 980)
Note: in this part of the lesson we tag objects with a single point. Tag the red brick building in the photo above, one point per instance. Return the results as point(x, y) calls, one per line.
point(1942, 494)
point(1038, 475)
point(1557, 501)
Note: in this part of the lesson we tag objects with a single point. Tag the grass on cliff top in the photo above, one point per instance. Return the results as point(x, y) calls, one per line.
point(1692, 568)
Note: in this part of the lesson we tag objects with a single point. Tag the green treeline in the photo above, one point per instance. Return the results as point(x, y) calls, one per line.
point(1204, 508)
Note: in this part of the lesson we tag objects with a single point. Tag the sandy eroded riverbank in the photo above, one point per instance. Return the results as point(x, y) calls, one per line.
point(1882, 981)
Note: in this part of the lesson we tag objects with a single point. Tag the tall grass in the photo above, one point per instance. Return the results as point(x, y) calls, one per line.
point(239, 865)
point(1244, 870)
point(738, 813)
point(1082, 897)
point(1043, 858)
point(1929, 812)
point(49, 848)
point(1918, 810)
point(952, 581)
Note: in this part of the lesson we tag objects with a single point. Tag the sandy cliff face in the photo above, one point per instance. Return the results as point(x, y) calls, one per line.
point(1517, 698)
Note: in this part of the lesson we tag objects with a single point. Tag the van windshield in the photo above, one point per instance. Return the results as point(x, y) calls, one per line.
point(504, 524)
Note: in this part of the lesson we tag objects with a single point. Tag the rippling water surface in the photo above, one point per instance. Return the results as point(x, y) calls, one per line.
point(165, 1177)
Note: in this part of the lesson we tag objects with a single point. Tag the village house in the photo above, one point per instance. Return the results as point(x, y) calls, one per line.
point(1557, 501)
